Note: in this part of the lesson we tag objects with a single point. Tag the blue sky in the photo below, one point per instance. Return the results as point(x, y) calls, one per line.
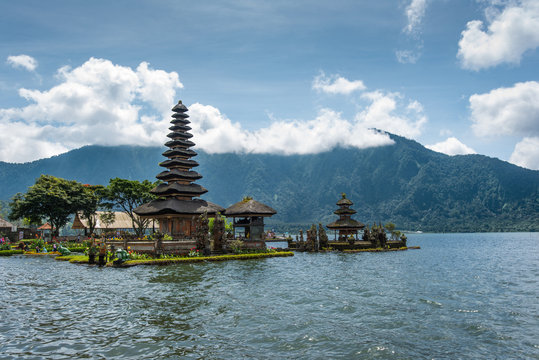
point(271, 76)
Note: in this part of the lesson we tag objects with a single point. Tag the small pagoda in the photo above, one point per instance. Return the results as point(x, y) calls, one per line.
point(345, 226)
point(178, 201)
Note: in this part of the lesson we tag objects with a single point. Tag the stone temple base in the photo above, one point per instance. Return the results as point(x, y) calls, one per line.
point(358, 245)
point(148, 247)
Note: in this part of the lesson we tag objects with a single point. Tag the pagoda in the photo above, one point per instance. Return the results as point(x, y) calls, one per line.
point(178, 203)
point(346, 226)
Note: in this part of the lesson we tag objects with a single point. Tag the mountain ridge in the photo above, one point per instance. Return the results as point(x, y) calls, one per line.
point(405, 183)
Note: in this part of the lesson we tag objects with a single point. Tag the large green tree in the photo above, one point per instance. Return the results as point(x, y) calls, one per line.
point(50, 198)
point(91, 202)
point(128, 195)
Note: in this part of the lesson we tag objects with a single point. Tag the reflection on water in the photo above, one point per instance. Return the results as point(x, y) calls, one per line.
point(460, 296)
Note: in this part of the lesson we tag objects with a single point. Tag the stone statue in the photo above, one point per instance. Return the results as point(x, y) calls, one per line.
point(158, 243)
point(312, 239)
point(300, 245)
point(322, 237)
point(201, 234)
point(219, 235)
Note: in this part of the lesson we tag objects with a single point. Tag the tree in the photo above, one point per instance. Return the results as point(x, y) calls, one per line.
point(50, 198)
point(391, 228)
point(128, 195)
point(107, 218)
point(4, 209)
point(93, 197)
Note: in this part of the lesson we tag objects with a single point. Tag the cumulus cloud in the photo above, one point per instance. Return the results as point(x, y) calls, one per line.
point(507, 111)
point(451, 146)
point(389, 112)
point(215, 133)
point(380, 109)
point(96, 103)
point(415, 12)
point(509, 33)
point(526, 153)
point(103, 103)
point(336, 84)
point(22, 61)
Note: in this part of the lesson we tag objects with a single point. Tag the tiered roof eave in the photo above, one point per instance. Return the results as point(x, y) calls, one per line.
point(178, 190)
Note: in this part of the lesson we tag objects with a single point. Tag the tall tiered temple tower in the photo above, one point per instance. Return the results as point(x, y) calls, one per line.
point(345, 225)
point(178, 200)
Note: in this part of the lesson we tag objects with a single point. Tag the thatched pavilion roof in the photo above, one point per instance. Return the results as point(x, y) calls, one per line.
point(343, 224)
point(249, 207)
point(176, 206)
point(5, 224)
point(121, 221)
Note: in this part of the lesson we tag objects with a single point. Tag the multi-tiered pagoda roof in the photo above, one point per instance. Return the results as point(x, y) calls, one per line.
point(345, 224)
point(178, 193)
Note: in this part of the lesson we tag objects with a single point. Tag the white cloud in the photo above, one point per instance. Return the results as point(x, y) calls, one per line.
point(507, 111)
point(509, 33)
point(388, 111)
point(407, 56)
point(107, 104)
point(451, 146)
point(336, 84)
point(22, 61)
point(415, 13)
point(215, 133)
point(96, 103)
point(526, 153)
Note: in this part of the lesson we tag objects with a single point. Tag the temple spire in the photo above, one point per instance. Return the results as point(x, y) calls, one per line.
point(179, 178)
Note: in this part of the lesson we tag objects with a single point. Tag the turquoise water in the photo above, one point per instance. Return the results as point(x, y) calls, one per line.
point(460, 296)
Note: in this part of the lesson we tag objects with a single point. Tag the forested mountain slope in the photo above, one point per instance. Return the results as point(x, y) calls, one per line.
point(404, 183)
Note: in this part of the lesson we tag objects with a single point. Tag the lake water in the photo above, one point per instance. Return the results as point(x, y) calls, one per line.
point(460, 296)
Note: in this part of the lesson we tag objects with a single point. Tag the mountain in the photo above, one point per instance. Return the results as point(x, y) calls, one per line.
point(405, 183)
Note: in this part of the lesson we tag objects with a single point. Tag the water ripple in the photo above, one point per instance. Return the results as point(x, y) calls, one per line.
point(460, 296)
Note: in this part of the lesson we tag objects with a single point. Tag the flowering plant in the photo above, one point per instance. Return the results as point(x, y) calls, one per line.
point(194, 252)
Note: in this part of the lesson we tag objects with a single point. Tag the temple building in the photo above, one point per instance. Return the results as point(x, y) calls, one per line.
point(248, 218)
point(178, 201)
point(345, 226)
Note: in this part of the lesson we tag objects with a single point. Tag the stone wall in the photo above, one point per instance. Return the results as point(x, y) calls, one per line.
point(148, 247)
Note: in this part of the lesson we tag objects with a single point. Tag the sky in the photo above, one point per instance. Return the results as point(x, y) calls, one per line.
point(285, 77)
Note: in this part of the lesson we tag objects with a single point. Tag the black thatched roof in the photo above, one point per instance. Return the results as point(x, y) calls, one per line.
point(249, 207)
point(345, 211)
point(179, 128)
point(179, 135)
point(178, 162)
point(344, 201)
point(179, 107)
point(175, 206)
point(176, 174)
point(179, 152)
point(343, 224)
point(179, 121)
point(179, 178)
point(179, 189)
point(174, 143)
point(180, 116)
